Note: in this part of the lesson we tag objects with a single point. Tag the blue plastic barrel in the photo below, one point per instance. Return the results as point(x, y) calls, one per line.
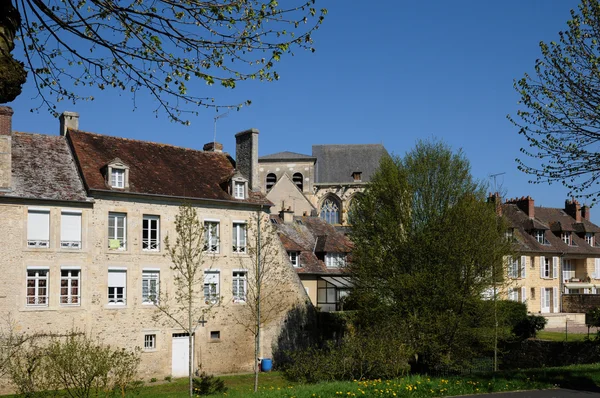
point(266, 365)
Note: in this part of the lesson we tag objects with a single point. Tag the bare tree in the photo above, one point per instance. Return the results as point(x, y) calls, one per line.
point(161, 46)
point(185, 306)
point(266, 277)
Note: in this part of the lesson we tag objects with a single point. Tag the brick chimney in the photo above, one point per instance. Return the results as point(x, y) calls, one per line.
point(68, 120)
point(213, 147)
point(246, 156)
point(585, 212)
point(5, 147)
point(524, 203)
point(573, 209)
point(497, 201)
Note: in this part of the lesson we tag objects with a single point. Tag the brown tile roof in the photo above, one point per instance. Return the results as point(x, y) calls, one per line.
point(313, 237)
point(43, 168)
point(553, 221)
point(157, 169)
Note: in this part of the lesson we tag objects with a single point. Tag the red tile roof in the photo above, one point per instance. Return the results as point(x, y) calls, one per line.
point(157, 169)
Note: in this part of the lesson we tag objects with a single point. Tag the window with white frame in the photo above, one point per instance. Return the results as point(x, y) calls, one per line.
point(509, 234)
point(117, 287)
point(70, 286)
point(239, 237)
point(239, 286)
point(37, 287)
point(513, 294)
point(335, 260)
point(330, 211)
point(211, 287)
point(151, 233)
point(211, 236)
point(117, 177)
point(568, 270)
point(589, 238)
point(70, 229)
point(540, 236)
point(513, 267)
point(294, 258)
point(38, 228)
point(547, 268)
point(117, 231)
point(150, 286)
point(239, 190)
point(596, 274)
point(567, 238)
point(149, 342)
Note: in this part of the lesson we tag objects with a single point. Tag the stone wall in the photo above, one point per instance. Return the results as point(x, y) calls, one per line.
point(580, 303)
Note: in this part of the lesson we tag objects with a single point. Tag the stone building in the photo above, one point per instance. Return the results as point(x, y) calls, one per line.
point(322, 184)
point(558, 255)
point(84, 218)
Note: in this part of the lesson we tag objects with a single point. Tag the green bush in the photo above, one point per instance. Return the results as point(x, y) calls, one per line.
point(207, 385)
point(529, 326)
point(592, 317)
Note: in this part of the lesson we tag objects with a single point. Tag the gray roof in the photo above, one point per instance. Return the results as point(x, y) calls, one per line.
point(43, 168)
point(336, 163)
point(286, 156)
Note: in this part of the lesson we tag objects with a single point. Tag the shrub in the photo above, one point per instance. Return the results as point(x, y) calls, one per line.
point(207, 385)
point(529, 326)
point(592, 317)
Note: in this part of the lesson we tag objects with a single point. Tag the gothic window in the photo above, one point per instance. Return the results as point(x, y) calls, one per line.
point(271, 180)
point(298, 180)
point(330, 211)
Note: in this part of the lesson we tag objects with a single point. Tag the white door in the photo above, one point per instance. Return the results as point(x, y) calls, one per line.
point(180, 355)
point(546, 300)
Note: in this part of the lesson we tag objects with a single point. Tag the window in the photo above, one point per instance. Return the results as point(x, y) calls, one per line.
point(37, 287)
point(70, 229)
point(150, 286)
point(532, 293)
point(149, 342)
point(298, 180)
point(336, 260)
point(357, 176)
point(568, 270)
point(239, 190)
point(117, 231)
point(271, 180)
point(294, 258)
point(117, 287)
point(239, 237)
point(589, 238)
point(546, 268)
point(517, 267)
point(330, 211)
point(70, 286)
point(38, 228)
point(239, 286)
point(151, 233)
point(329, 297)
point(509, 234)
point(540, 236)
point(117, 178)
point(513, 294)
point(215, 334)
point(566, 237)
point(211, 287)
point(211, 236)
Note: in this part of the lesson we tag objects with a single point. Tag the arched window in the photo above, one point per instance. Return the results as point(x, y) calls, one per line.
point(330, 211)
point(298, 180)
point(271, 180)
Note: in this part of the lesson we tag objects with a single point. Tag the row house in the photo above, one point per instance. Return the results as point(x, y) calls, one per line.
point(84, 218)
point(557, 264)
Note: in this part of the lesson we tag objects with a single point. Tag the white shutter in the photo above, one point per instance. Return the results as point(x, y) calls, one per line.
point(555, 297)
point(555, 267)
point(542, 300)
point(542, 265)
point(117, 278)
point(586, 291)
point(70, 226)
point(523, 295)
point(211, 277)
point(523, 266)
point(597, 267)
point(38, 225)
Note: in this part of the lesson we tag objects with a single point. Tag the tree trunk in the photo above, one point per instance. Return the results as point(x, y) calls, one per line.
point(190, 343)
point(12, 72)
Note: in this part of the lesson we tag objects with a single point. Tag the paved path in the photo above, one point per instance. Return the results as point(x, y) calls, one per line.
point(559, 393)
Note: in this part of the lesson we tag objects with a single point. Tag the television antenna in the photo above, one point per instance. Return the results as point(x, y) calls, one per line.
point(495, 176)
point(221, 116)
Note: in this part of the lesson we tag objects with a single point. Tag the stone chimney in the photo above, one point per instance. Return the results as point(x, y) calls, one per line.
point(246, 156)
point(5, 147)
point(585, 212)
point(68, 120)
point(213, 147)
point(525, 203)
point(496, 200)
point(287, 215)
point(573, 209)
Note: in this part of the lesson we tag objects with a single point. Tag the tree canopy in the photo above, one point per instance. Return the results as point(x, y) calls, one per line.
point(160, 46)
point(427, 247)
point(560, 107)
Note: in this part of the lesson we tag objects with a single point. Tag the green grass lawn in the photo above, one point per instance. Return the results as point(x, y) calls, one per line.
point(561, 336)
point(586, 377)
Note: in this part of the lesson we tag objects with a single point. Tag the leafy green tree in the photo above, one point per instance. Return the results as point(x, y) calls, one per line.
point(160, 46)
point(560, 111)
point(427, 248)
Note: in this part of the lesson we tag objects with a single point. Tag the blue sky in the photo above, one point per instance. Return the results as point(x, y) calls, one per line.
point(388, 72)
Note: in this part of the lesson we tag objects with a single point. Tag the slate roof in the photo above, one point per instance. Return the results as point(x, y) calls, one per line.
point(43, 168)
point(336, 163)
point(286, 155)
point(157, 169)
point(552, 220)
point(313, 237)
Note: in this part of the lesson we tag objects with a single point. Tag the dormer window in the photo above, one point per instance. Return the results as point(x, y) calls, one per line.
point(540, 236)
point(117, 178)
point(357, 176)
point(567, 238)
point(589, 238)
point(117, 174)
point(239, 186)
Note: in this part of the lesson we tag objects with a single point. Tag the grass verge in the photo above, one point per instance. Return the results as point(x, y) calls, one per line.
point(561, 336)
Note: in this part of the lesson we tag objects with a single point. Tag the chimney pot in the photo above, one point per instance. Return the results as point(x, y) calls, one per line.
point(68, 120)
point(213, 147)
point(585, 212)
point(573, 209)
